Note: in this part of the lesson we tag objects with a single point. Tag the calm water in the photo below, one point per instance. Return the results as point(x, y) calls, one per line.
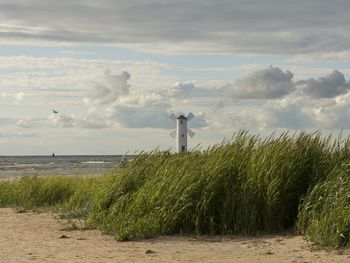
point(58, 165)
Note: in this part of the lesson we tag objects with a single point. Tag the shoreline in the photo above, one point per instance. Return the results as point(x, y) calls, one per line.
point(40, 237)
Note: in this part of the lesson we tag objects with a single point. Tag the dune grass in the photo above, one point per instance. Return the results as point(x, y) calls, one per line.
point(242, 186)
point(325, 213)
point(72, 196)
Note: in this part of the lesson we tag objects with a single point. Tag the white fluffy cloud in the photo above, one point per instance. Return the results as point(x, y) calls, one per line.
point(24, 123)
point(114, 87)
point(288, 113)
point(91, 121)
point(181, 90)
point(61, 121)
point(150, 114)
point(130, 107)
point(333, 113)
point(19, 97)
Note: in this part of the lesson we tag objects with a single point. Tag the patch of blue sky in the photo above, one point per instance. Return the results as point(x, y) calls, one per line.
point(336, 65)
point(35, 51)
point(118, 53)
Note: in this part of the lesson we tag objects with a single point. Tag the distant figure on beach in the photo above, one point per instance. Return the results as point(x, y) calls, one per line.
point(53, 154)
point(54, 111)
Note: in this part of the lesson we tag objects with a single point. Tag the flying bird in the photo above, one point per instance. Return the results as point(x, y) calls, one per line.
point(54, 111)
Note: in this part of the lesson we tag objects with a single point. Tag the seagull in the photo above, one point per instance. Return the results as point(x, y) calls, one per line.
point(54, 111)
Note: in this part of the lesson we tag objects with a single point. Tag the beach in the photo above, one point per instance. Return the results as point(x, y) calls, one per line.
point(42, 237)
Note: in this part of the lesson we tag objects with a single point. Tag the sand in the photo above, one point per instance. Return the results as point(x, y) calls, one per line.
point(41, 237)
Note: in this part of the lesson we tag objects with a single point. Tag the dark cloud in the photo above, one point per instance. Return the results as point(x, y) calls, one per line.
point(273, 83)
point(270, 83)
point(269, 26)
point(329, 86)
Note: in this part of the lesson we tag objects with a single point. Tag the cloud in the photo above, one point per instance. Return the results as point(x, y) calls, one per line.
point(333, 113)
point(329, 86)
point(24, 123)
point(181, 90)
point(288, 113)
point(195, 26)
point(199, 120)
point(149, 115)
point(273, 83)
point(61, 121)
point(114, 87)
point(92, 122)
point(268, 83)
point(19, 97)
point(186, 92)
point(291, 112)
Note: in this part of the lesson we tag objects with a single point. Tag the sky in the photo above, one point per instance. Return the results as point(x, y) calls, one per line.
point(115, 70)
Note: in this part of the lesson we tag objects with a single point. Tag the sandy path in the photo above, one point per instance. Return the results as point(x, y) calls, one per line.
point(32, 237)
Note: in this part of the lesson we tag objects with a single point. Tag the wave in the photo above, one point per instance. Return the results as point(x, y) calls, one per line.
point(95, 162)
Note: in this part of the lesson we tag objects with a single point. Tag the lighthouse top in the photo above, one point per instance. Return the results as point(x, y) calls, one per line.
point(181, 117)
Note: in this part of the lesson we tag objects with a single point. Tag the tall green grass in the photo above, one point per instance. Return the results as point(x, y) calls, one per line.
point(244, 185)
point(325, 213)
point(73, 196)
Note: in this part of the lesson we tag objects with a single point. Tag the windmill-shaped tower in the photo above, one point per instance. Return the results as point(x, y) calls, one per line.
point(181, 131)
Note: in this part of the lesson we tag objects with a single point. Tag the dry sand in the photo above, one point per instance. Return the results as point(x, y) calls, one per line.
point(33, 237)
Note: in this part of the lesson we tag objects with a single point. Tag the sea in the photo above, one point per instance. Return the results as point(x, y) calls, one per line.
point(12, 166)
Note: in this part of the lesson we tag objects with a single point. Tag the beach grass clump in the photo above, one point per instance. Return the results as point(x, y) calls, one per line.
point(6, 193)
point(324, 217)
point(244, 186)
point(72, 196)
point(35, 191)
point(86, 192)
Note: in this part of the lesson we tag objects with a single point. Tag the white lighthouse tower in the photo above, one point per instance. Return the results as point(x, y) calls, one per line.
point(181, 131)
